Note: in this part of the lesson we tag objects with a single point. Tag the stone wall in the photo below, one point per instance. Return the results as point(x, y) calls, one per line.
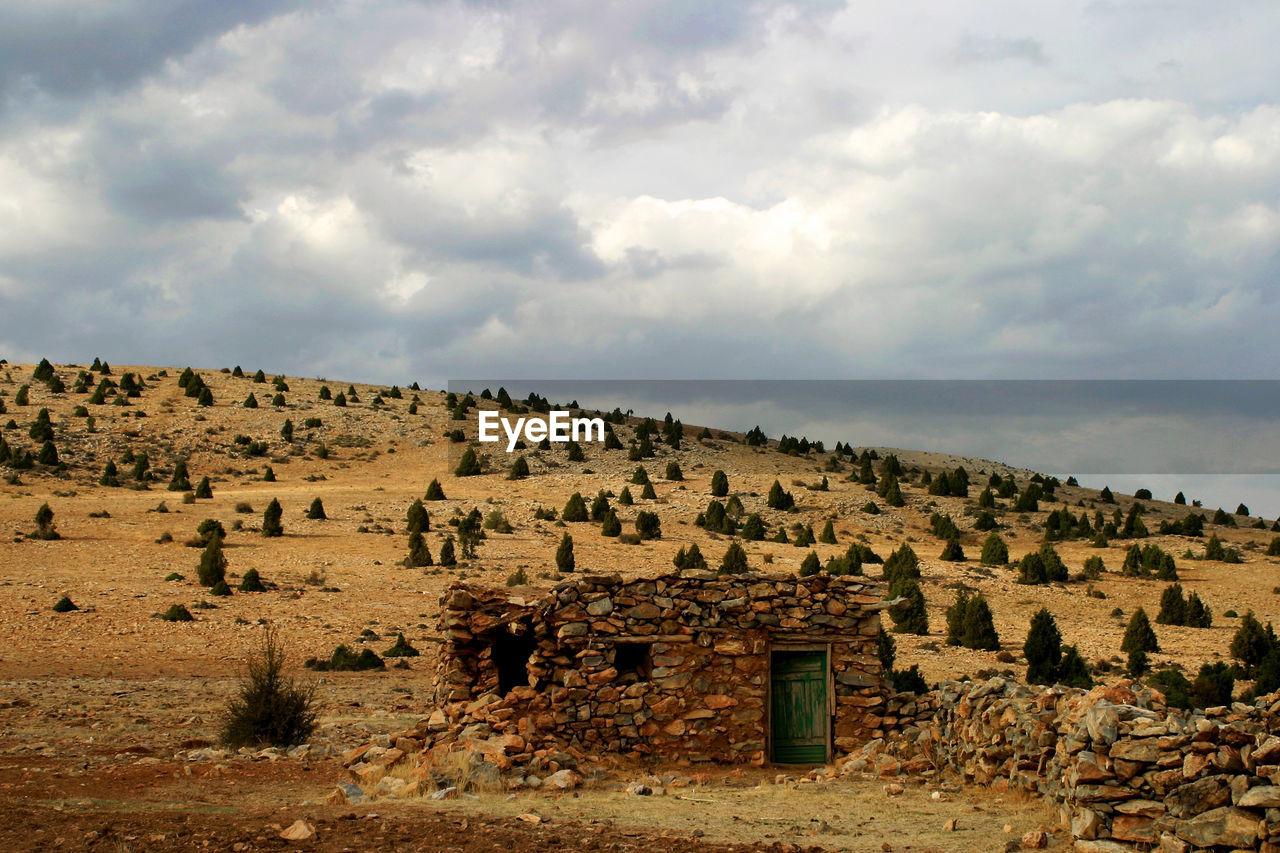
point(1127, 772)
point(675, 666)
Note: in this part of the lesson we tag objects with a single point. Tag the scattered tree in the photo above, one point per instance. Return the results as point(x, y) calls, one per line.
point(564, 555)
point(213, 564)
point(271, 525)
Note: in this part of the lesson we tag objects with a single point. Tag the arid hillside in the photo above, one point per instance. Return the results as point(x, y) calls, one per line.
point(369, 460)
point(111, 707)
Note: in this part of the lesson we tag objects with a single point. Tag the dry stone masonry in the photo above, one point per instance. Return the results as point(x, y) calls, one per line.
point(675, 666)
point(1128, 772)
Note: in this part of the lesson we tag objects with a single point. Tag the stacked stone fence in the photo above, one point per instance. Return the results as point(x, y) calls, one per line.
point(1126, 771)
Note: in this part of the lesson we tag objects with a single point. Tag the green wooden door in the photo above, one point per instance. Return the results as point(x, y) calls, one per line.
point(799, 717)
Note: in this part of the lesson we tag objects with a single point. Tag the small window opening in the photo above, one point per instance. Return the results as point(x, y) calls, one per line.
point(633, 661)
point(511, 657)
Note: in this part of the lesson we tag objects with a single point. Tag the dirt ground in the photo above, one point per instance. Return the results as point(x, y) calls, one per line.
point(79, 690)
point(245, 805)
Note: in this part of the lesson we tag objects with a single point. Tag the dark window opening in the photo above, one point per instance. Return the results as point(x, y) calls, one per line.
point(511, 657)
point(633, 661)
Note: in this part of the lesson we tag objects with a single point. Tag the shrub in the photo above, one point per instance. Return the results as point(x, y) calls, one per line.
point(952, 552)
point(250, 402)
point(180, 482)
point(1054, 568)
point(340, 401)
point(691, 559)
point(648, 525)
point(1093, 568)
point(674, 472)
point(1174, 685)
point(177, 613)
point(252, 582)
point(640, 477)
point(208, 529)
point(278, 400)
point(286, 431)
point(1031, 569)
point(1138, 663)
point(1213, 685)
point(907, 680)
point(599, 506)
point(1215, 550)
point(269, 708)
point(719, 484)
point(45, 528)
point(213, 563)
point(610, 525)
point(779, 499)
point(468, 465)
point(519, 469)
point(42, 427)
point(316, 510)
point(979, 630)
point(1139, 634)
point(1072, 670)
point(204, 489)
point(419, 554)
point(220, 589)
point(575, 509)
point(64, 605)
point(497, 522)
point(402, 649)
point(1043, 649)
point(345, 660)
point(909, 617)
point(269, 475)
point(22, 398)
point(565, 561)
point(810, 565)
point(753, 528)
point(434, 491)
point(271, 525)
point(447, 555)
point(734, 561)
point(994, 551)
point(828, 535)
point(903, 562)
point(624, 497)
point(110, 475)
point(470, 533)
point(48, 454)
point(1252, 643)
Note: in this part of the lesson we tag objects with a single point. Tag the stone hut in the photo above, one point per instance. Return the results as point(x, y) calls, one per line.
point(741, 668)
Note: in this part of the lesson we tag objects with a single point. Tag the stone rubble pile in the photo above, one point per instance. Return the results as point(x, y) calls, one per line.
point(1127, 772)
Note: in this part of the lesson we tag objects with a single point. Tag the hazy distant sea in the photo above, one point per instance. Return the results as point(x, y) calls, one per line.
point(1216, 441)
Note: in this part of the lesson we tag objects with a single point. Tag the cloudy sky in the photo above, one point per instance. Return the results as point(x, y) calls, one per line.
point(392, 190)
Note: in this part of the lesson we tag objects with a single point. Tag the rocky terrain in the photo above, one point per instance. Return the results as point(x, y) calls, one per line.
point(108, 707)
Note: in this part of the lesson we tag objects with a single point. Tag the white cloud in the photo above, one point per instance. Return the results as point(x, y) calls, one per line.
point(703, 188)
